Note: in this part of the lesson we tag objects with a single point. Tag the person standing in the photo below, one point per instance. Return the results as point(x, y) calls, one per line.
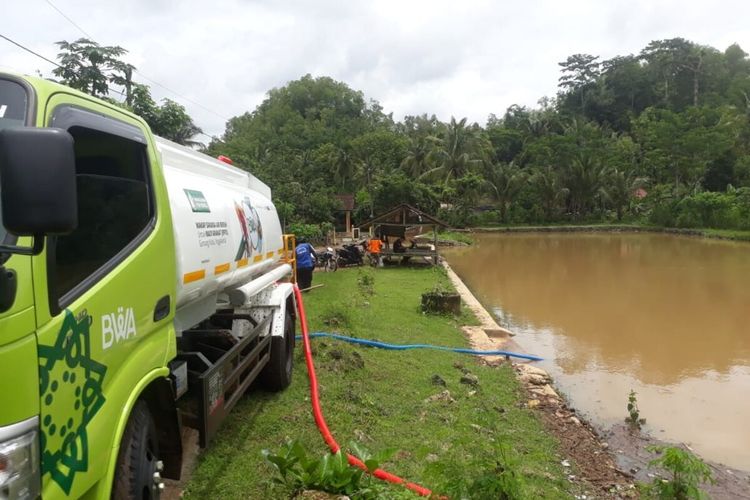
point(374, 247)
point(305, 254)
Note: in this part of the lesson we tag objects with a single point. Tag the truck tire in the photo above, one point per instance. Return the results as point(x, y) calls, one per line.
point(277, 374)
point(138, 473)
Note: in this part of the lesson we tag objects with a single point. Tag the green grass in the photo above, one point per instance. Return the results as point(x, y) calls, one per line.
point(455, 236)
point(377, 398)
point(460, 237)
point(562, 226)
point(730, 234)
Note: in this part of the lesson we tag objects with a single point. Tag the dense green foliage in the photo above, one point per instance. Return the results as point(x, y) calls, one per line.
point(91, 68)
point(660, 136)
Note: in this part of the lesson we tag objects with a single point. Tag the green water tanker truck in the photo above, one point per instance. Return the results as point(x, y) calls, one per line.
point(143, 287)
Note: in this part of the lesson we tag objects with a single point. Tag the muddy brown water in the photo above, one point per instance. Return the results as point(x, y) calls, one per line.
point(668, 316)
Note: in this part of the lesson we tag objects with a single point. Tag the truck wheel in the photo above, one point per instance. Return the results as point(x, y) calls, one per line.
point(277, 374)
point(138, 473)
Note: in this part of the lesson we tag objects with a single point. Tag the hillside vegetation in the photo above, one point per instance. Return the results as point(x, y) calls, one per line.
point(659, 137)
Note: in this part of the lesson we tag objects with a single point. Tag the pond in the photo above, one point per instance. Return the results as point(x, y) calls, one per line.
point(667, 316)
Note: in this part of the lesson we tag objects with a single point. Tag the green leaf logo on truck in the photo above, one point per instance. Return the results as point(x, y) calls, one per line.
point(197, 201)
point(70, 385)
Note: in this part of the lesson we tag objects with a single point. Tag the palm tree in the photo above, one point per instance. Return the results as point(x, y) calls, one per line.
point(457, 153)
point(619, 189)
point(505, 181)
point(342, 167)
point(185, 133)
point(584, 180)
point(367, 169)
point(416, 161)
point(548, 185)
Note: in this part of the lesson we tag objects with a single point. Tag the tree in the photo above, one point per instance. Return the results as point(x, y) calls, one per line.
point(584, 179)
point(678, 147)
point(173, 123)
point(505, 181)
point(579, 72)
point(170, 120)
point(619, 189)
point(507, 143)
point(458, 152)
point(548, 186)
point(343, 168)
point(676, 113)
point(89, 67)
point(416, 161)
point(392, 190)
point(463, 193)
point(665, 60)
point(626, 84)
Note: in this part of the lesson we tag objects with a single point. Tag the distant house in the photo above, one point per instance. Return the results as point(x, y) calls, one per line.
point(343, 215)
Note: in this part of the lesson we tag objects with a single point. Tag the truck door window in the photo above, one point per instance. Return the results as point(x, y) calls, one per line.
point(14, 104)
point(115, 213)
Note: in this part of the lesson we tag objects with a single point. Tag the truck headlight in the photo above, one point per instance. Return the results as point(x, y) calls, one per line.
point(19, 460)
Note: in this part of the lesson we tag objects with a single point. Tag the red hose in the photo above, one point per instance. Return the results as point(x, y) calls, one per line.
point(318, 414)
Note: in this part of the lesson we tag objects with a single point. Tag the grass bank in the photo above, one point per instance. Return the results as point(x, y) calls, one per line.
point(381, 399)
point(724, 234)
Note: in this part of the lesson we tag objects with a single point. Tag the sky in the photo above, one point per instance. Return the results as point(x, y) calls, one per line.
point(462, 58)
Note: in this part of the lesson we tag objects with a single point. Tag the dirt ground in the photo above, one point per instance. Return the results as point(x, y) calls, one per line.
point(610, 462)
point(173, 489)
point(631, 454)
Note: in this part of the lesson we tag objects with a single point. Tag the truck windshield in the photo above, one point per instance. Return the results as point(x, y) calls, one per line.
point(13, 109)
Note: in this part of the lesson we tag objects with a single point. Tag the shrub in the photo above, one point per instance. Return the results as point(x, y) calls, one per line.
point(502, 482)
point(687, 473)
point(315, 233)
point(366, 283)
point(730, 210)
point(634, 415)
point(330, 473)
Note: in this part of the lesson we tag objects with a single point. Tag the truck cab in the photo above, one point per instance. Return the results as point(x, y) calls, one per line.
point(107, 342)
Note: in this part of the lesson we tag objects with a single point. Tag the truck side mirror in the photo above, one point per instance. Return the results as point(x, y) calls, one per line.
point(37, 182)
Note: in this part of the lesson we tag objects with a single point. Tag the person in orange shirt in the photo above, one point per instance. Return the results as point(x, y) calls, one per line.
point(374, 246)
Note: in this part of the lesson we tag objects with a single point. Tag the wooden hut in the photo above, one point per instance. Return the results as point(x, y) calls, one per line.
point(399, 221)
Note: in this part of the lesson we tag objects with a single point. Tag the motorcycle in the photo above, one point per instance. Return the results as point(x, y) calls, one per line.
point(328, 260)
point(350, 255)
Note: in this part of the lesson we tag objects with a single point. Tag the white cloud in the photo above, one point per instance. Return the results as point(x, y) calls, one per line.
point(468, 58)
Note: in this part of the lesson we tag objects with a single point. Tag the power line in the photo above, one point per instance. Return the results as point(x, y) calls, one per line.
point(154, 82)
point(69, 19)
point(110, 89)
point(181, 96)
point(29, 50)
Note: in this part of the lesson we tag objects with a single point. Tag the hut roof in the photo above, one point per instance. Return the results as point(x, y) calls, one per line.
point(404, 215)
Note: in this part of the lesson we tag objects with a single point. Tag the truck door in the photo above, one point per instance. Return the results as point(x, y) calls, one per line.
point(104, 296)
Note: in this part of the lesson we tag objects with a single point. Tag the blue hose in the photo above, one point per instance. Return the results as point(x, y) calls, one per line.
point(404, 347)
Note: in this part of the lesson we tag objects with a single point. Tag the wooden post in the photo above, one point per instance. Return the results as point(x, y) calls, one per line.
point(434, 242)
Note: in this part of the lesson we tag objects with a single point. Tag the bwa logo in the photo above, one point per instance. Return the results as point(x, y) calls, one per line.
point(117, 327)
